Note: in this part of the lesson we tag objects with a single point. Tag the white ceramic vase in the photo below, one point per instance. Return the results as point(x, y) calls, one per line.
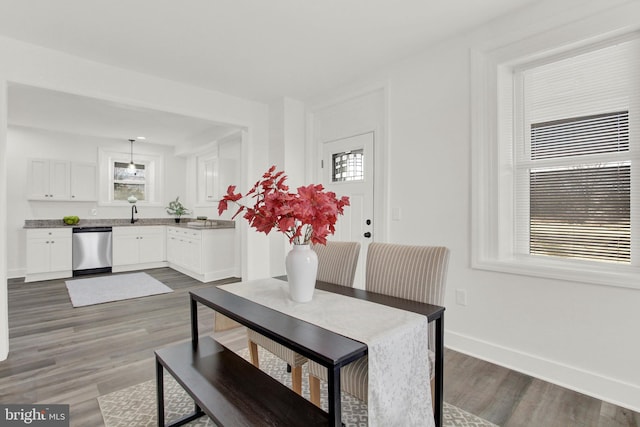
point(302, 268)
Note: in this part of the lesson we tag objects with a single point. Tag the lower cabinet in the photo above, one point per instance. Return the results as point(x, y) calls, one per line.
point(205, 255)
point(136, 248)
point(48, 254)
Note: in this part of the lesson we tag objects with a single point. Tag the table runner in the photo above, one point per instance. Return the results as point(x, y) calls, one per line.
point(399, 391)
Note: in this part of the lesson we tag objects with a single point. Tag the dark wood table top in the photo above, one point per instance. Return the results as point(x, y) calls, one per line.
point(325, 347)
point(432, 312)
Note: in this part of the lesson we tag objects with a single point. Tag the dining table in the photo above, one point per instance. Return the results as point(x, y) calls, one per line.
point(339, 326)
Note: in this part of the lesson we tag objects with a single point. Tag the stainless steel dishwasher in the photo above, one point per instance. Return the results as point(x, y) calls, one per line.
point(92, 251)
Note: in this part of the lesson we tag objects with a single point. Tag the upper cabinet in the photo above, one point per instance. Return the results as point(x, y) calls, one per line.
point(207, 178)
point(219, 168)
point(83, 182)
point(61, 180)
point(48, 179)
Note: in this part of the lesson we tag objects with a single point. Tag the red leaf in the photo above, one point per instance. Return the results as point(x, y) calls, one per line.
point(222, 206)
point(309, 214)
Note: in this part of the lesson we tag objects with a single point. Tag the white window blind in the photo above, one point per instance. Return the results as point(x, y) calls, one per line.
point(575, 157)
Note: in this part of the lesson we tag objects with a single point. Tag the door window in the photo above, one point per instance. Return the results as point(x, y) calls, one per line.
point(348, 166)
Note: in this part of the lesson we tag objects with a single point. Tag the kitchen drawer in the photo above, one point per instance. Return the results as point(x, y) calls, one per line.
point(173, 231)
point(49, 233)
point(142, 230)
point(188, 233)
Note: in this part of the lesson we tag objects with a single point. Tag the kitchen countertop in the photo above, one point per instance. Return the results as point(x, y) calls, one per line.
point(123, 222)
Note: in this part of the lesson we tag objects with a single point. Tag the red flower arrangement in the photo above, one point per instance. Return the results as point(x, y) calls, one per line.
point(306, 216)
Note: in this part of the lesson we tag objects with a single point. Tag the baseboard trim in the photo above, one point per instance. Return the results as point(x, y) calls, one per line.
point(16, 273)
point(134, 267)
point(601, 387)
point(37, 277)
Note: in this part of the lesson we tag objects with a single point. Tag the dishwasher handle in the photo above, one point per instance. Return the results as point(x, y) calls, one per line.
point(92, 229)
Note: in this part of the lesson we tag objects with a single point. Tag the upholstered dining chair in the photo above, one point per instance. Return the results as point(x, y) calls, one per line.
point(416, 273)
point(337, 263)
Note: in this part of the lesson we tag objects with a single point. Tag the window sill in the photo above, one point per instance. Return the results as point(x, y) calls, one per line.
point(126, 203)
point(623, 276)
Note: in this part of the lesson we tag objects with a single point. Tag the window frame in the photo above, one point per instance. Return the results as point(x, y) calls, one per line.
point(154, 165)
point(494, 135)
point(144, 182)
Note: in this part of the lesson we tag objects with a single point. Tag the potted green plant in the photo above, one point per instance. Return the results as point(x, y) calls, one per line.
point(177, 209)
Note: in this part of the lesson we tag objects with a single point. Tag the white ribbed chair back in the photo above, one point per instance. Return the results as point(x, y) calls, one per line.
point(337, 262)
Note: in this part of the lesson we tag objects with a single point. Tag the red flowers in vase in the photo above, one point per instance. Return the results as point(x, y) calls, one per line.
point(306, 216)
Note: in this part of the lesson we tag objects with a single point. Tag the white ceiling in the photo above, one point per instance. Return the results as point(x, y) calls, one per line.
point(257, 49)
point(63, 112)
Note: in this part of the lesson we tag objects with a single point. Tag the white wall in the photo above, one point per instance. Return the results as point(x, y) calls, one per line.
point(4, 312)
point(32, 65)
point(578, 335)
point(287, 151)
point(24, 143)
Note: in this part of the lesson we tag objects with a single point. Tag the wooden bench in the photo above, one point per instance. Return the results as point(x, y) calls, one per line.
point(230, 390)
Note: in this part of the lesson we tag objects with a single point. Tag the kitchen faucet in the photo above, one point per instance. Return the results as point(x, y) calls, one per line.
point(133, 209)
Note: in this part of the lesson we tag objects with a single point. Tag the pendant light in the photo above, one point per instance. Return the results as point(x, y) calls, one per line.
point(131, 164)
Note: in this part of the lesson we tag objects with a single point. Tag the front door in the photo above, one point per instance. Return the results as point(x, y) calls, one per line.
point(347, 170)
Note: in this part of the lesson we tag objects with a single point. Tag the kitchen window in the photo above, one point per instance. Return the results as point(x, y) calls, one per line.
point(129, 181)
point(119, 181)
point(558, 182)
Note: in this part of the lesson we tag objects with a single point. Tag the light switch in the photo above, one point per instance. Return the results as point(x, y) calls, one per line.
point(461, 297)
point(396, 214)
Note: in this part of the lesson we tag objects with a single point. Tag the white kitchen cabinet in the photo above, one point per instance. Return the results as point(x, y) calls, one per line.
point(61, 180)
point(205, 255)
point(183, 248)
point(48, 179)
point(218, 168)
point(138, 247)
point(208, 191)
point(83, 182)
point(49, 254)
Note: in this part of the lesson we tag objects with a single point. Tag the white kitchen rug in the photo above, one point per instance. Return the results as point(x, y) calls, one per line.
point(97, 290)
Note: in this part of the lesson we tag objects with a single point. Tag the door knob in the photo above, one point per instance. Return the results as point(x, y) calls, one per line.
point(367, 234)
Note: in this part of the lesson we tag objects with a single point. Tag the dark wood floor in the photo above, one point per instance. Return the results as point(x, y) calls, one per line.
point(61, 354)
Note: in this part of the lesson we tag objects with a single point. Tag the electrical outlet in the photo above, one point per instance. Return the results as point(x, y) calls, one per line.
point(461, 297)
point(94, 211)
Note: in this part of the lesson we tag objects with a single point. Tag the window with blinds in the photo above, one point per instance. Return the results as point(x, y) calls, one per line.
point(574, 189)
point(604, 133)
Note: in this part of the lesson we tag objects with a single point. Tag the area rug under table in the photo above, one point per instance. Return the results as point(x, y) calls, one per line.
point(136, 405)
point(117, 287)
